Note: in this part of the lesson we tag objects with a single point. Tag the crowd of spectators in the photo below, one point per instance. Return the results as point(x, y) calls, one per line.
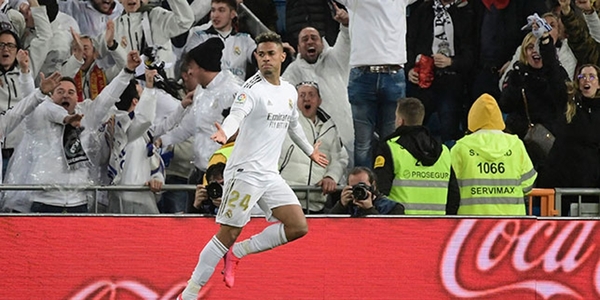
point(105, 92)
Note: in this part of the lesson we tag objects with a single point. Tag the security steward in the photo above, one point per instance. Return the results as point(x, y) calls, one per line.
point(493, 168)
point(414, 168)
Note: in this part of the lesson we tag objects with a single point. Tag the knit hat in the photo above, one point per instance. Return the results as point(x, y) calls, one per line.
point(485, 114)
point(208, 54)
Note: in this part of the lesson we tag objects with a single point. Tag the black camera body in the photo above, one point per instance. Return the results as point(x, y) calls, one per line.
point(361, 191)
point(214, 190)
point(161, 81)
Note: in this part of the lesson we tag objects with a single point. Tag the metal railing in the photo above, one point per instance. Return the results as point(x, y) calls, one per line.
point(560, 192)
point(134, 188)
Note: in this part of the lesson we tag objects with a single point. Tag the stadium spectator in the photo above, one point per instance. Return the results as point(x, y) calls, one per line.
point(146, 29)
point(409, 151)
point(214, 94)
point(329, 67)
point(54, 153)
point(565, 55)
point(361, 197)
point(91, 15)
point(498, 33)
point(583, 44)
point(539, 79)
point(17, 82)
point(178, 158)
point(11, 118)
point(297, 169)
point(15, 86)
point(313, 13)
point(252, 169)
point(377, 79)
point(10, 16)
point(493, 169)
point(237, 53)
point(442, 31)
point(58, 49)
point(131, 161)
point(573, 161)
point(90, 78)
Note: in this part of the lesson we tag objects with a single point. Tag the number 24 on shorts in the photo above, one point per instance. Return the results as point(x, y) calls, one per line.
point(233, 198)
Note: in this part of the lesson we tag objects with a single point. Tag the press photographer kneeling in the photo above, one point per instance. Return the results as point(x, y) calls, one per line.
point(360, 197)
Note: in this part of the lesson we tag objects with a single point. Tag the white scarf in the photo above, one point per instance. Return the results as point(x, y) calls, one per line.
point(443, 29)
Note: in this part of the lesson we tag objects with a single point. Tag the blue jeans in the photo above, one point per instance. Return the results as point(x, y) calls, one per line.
point(373, 97)
point(173, 201)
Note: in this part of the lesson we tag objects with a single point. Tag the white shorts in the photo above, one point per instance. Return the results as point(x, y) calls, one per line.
point(239, 197)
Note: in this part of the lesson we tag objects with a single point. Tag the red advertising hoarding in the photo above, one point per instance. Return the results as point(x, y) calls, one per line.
point(341, 258)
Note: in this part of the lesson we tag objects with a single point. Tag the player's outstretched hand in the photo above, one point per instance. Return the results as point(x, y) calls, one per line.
point(219, 136)
point(319, 157)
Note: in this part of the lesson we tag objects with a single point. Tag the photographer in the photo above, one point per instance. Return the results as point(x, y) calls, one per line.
point(361, 197)
point(208, 198)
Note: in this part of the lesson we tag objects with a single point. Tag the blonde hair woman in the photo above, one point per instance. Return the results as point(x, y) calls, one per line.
point(539, 76)
point(574, 161)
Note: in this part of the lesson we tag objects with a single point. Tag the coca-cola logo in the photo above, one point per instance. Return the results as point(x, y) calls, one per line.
point(109, 290)
point(539, 256)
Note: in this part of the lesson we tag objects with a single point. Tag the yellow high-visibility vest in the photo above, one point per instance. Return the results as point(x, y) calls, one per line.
point(423, 190)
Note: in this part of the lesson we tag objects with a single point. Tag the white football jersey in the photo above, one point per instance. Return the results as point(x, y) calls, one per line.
point(269, 111)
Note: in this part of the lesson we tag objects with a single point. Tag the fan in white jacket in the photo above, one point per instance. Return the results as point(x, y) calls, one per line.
point(12, 117)
point(91, 15)
point(237, 54)
point(54, 154)
point(142, 26)
point(215, 93)
point(16, 80)
point(297, 168)
point(329, 67)
point(131, 161)
point(58, 48)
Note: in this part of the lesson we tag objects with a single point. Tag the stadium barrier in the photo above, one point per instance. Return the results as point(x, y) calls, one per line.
point(550, 199)
point(546, 198)
point(123, 257)
point(579, 208)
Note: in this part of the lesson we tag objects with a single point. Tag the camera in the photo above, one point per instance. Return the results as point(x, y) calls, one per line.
point(214, 190)
point(361, 191)
point(161, 81)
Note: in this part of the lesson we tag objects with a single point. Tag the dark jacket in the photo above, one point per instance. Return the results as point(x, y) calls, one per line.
point(574, 160)
point(545, 91)
point(314, 13)
point(382, 205)
point(508, 34)
point(421, 145)
point(419, 36)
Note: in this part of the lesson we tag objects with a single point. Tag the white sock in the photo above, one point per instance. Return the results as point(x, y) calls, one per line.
point(269, 238)
point(210, 256)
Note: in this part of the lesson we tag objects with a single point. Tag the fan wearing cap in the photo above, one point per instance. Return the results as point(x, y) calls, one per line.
point(493, 169)
point(214, 94)
point(296, 168)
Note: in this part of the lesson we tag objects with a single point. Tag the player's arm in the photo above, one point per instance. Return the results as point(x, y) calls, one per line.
point(242, 105)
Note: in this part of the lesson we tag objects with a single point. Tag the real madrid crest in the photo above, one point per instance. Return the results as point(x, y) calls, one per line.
point(291, 103)
point(237, 50)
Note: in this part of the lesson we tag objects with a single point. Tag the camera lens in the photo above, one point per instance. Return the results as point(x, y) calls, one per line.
point(360, 191)
point(214, 190)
